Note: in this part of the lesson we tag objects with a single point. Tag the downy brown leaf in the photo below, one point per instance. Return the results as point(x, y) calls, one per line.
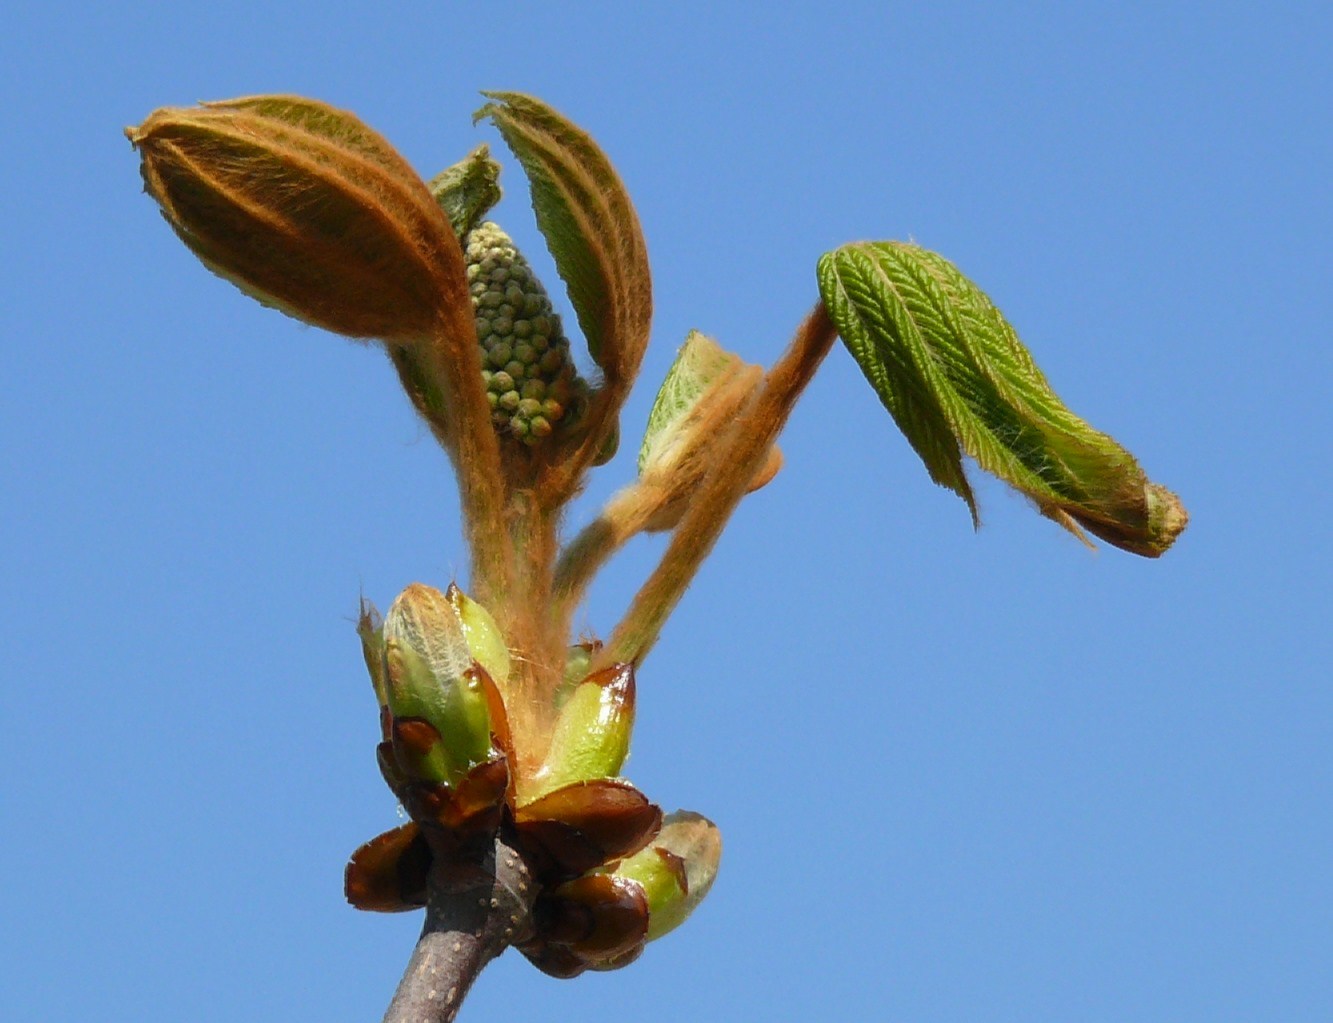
point(306, 209)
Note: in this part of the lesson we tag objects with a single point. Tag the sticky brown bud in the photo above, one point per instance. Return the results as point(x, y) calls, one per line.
point(306, 209)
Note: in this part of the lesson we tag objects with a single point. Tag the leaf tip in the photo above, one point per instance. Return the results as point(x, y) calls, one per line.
point(498, 99)
point(1167, 519)
point(487, 109)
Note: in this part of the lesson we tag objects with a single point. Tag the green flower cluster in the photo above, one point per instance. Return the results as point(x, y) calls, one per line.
point(532, 383)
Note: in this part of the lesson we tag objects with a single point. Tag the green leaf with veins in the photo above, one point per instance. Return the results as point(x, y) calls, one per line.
point(957, 380)
point(700, 364)
point(589, 224)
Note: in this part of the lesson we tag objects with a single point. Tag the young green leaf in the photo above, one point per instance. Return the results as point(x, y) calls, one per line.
point(705, 390)
point(700, 365)
point(467, 190)
point(957, 380)
point(590, 226)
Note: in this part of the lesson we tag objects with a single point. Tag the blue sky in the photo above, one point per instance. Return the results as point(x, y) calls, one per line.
point(983, 777)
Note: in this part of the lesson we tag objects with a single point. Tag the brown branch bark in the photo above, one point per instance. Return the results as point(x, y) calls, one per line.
point(468, 923)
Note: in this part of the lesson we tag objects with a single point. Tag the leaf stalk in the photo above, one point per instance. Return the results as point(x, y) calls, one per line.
point(745, 451)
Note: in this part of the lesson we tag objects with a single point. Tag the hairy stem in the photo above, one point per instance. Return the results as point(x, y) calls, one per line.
point(459, 418)
point(538, 649)
point(477, 463)
point(623, 518)
point(467, 925)
point(711, 507)
point(564, 476)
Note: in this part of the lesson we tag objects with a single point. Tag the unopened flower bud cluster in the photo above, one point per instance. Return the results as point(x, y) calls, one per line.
point(532, 383)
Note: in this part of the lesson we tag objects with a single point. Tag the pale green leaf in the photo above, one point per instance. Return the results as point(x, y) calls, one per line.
point(705, 392)
point(700, 364)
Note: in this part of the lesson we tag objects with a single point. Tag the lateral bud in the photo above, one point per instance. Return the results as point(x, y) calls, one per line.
point(592, 734)
point(435, 687)
point(676, 869)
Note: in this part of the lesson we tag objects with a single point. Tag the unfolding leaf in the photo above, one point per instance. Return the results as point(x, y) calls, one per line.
point(308, 210)
point(955, 377)
point(703, 393)
point(589, 224)
point(467, 190)
point(701, 365)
